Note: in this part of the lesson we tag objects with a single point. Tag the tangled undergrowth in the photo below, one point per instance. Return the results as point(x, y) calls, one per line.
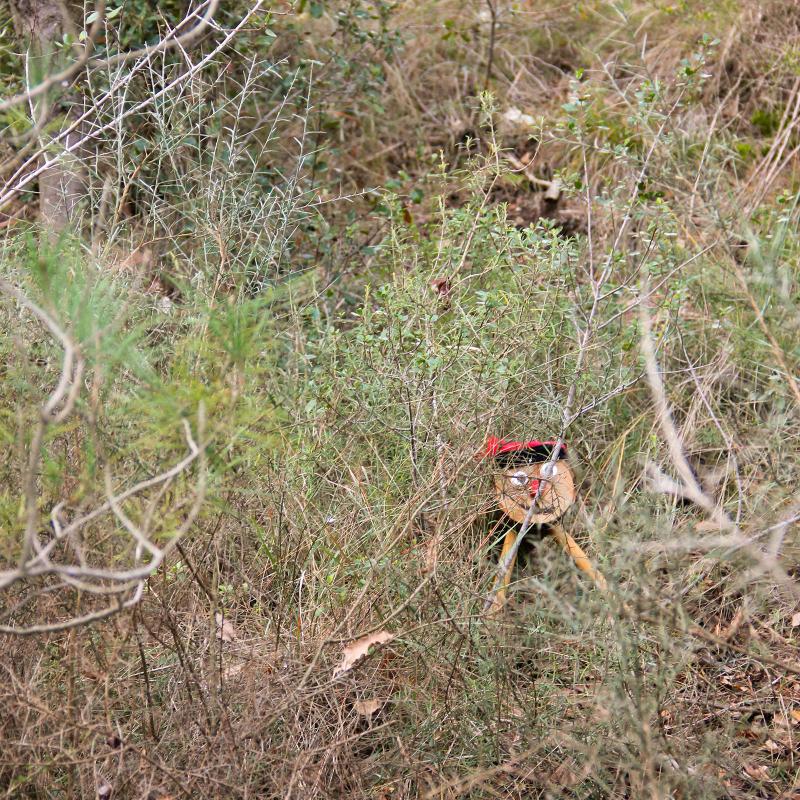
point(305, 287)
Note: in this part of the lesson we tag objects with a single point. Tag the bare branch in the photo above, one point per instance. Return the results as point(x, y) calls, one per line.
point(688, 486)
point(85, 58)
point(36, 558)
point(29, 170)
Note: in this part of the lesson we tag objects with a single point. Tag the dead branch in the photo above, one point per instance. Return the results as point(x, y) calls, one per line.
point(85, 58)
point(43, 159)
point(687, 485)
point(36, 560)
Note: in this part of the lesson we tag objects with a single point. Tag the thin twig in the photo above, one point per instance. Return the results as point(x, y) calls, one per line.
point(85, 59)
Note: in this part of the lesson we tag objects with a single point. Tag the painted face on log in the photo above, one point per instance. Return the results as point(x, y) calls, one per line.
point(517, 487)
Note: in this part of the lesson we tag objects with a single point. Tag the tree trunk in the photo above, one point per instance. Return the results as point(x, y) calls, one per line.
point(40, 24)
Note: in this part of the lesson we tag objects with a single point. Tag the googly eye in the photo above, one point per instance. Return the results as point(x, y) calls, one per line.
point(549, 471)
point(520, 478)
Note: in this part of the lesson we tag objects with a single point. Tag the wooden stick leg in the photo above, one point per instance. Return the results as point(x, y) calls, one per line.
point(574, 551)
point(503, 580)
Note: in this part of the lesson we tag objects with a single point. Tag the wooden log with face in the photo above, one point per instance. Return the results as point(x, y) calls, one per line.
point(529, 476)
point(550, 486)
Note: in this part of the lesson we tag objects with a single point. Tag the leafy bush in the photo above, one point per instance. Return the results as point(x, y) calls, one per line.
point(303, 289)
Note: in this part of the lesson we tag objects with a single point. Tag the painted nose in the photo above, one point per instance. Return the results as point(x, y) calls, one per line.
point(533, 486)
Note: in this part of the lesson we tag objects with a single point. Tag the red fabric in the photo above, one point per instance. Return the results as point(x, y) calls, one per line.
point(495, 446)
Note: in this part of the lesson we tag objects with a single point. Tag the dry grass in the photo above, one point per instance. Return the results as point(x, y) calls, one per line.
point(345, 406)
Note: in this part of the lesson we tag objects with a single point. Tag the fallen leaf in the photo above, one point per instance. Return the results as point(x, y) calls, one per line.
point(442, 287)
point(757, 772)
point(225, 630)
point(796, 619)
point(366, 708)
point(564, 775)
point(795, 715)
point(355, 651)
point(707, 526)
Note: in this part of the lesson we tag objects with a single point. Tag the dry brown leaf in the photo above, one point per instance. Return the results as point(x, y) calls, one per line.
point(796, 619)
point(757, 772)
point(564, 775)
point(442, 287)
point(225, 630)
point(366, 708)
point(355, 651)
point(707, 526)
point(795, 715)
